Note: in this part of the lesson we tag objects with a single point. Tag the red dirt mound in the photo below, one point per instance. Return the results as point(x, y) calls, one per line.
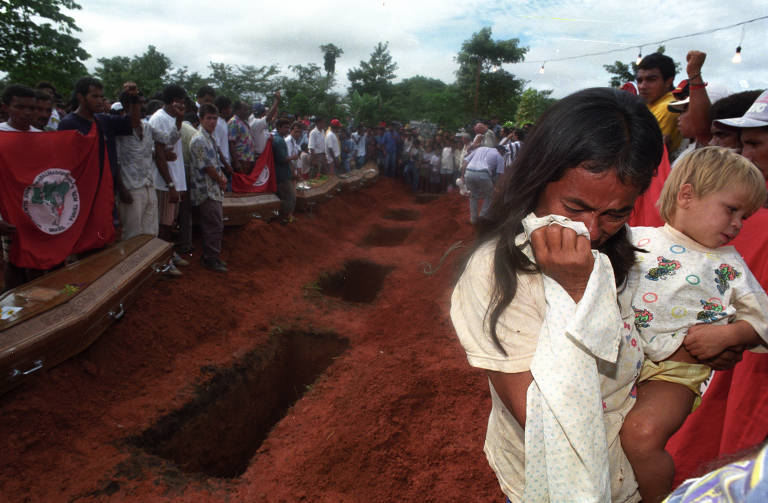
point(173, 402)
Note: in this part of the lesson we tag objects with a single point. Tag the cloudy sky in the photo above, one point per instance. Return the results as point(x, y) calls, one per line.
point(425, 35)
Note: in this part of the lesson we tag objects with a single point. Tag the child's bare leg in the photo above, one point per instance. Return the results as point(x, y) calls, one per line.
point(660, 410)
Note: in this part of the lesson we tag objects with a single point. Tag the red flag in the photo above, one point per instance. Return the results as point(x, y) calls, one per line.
point(54, 191)
point(261, 178)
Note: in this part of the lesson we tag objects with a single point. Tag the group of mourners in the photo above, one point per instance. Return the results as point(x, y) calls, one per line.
point(603, 291)
point(445, 160)
point(598, 338)
point(173, 158)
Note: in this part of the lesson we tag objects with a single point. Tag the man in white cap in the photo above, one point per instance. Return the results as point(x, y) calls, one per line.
point(753, 127)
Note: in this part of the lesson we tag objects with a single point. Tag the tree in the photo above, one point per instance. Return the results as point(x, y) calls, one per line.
point(481, 56)
point(191, 82)
point(533, 103)
point(151, 71)
point(304, 93)
point(365, 108)
point(374, 76)
point(33, 49)
point(622, 73)
point(330, 54)
point(244, 82)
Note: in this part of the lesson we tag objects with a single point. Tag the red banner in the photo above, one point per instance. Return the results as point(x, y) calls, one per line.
point(261, 178)
point(55, 193)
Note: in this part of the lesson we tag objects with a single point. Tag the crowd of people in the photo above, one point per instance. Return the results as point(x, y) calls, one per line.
point(173, 158)
point(596, 350)
point(445, 160)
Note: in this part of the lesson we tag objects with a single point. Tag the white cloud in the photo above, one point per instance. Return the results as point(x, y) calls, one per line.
point(425, 36)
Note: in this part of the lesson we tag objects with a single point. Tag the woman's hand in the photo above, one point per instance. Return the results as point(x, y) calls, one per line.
point(564, 256)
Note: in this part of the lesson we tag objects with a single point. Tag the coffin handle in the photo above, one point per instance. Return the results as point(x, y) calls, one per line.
point(117, 314)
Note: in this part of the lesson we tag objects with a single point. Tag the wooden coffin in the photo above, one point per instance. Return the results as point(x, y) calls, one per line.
point(239, 209)
point(307, 198)
point(352, 180)
point(66, 310)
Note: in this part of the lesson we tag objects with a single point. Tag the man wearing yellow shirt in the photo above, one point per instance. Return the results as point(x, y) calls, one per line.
point(655, 76)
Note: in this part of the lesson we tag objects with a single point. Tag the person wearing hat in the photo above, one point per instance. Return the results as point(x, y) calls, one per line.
point(333, 147)
point(260, 120)
point(753, 131)
point(730, 106)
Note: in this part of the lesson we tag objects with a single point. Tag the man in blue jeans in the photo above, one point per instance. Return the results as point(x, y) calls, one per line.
point(389, 141)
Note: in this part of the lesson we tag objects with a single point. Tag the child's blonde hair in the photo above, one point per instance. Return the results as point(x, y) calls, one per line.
point(709, 170)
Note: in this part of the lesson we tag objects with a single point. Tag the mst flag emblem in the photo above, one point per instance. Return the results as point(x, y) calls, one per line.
point(52, 201)
point(55, 190)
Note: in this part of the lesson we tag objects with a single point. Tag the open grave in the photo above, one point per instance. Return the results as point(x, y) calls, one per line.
point(401, 214)
point(386, 236)
point(356, 281)
point(232, 412)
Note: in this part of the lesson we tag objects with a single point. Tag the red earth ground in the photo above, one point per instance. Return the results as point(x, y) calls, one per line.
point(398, 416)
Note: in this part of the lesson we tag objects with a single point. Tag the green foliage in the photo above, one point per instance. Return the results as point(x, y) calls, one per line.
point(192, 82)
point(151, 71)
point(244, 82)
point(374, 76)
point(37, 43)
point(424, 98)
point(621, 73)
point(489, 89)
point(533, 103)
point(330, 54)
point(308, 92)
point(365, 107)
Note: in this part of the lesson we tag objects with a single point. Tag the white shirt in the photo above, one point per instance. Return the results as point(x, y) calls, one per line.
point(681, 283)
point(292, 145)
point(360, 140)
point(165, 131)
point(485, 159)
point(332, 147)
point(316, 141)
point(519, 331)
point(260, 134)
point(135, 156)
point(4, 126)
point(221, 137)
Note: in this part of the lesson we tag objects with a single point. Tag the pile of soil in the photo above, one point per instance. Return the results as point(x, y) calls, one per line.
point(328, 326)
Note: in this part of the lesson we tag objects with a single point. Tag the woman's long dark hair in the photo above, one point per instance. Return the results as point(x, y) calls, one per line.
point(600, 129)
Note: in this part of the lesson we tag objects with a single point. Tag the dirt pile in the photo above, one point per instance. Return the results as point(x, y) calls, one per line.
point(172, 402)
